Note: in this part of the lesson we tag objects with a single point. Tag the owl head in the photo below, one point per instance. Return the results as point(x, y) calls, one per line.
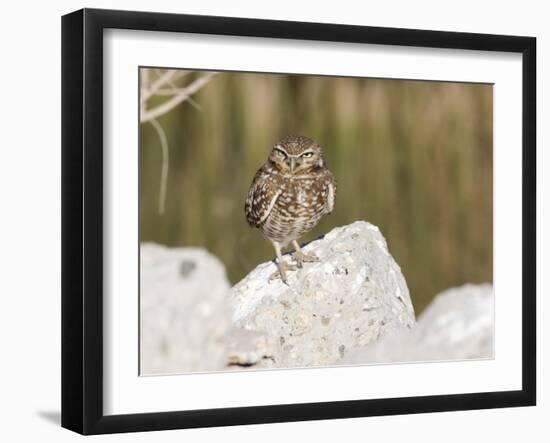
point(296, 155)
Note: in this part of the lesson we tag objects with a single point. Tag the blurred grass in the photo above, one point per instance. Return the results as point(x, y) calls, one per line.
point(412, 157)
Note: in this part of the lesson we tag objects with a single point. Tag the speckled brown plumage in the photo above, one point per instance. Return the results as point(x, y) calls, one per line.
point(290, 193)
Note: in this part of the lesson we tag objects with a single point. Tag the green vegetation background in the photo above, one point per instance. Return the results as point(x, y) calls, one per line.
point(412, 157)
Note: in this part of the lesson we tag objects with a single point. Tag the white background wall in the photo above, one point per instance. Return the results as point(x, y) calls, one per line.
point(30, 218)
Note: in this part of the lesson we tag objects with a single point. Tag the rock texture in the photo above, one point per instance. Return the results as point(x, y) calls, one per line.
point(351, 297)
point(350, 307)
point(184, 311)
point(247, 348)
point(458, 324)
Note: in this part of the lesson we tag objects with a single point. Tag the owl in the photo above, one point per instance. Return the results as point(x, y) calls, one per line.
point(289, 195)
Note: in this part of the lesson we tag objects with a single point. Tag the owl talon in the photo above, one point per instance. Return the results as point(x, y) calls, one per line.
point(302, 258)
point(282, 267)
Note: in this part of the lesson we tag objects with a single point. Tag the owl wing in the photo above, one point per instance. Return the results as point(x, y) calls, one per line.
point(330, 189)
point(261, 199)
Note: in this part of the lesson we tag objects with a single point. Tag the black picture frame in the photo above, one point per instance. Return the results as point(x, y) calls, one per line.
point(82, 220)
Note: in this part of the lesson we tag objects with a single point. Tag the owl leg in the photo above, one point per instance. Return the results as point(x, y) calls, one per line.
point(302, 258)
point(281, 265)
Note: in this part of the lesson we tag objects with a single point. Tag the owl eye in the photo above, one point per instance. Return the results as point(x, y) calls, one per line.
point(280, 153)
point(307, 154)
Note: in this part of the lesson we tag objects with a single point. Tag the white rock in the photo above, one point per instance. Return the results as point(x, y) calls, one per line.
point(458, 324)
point(247, 348)
point(353, 295)
point(184, 314)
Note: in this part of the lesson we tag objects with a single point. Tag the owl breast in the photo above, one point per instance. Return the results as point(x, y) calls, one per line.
point(297, 210)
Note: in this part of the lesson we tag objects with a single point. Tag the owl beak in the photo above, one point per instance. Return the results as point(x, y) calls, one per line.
point(292, 164)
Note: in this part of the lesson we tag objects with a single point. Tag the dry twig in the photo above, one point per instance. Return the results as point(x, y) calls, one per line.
point(165, 85)
point(179, 95)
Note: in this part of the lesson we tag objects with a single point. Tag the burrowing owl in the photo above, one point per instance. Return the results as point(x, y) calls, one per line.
point(289, 195)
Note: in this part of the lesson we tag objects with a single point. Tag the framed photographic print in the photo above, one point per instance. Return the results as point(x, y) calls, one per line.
point(269, 221)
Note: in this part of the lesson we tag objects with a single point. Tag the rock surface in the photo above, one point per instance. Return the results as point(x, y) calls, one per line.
point(355, 294)
point(184, 311)
point(350, 307)
point(458, 324)
point(249, 348)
